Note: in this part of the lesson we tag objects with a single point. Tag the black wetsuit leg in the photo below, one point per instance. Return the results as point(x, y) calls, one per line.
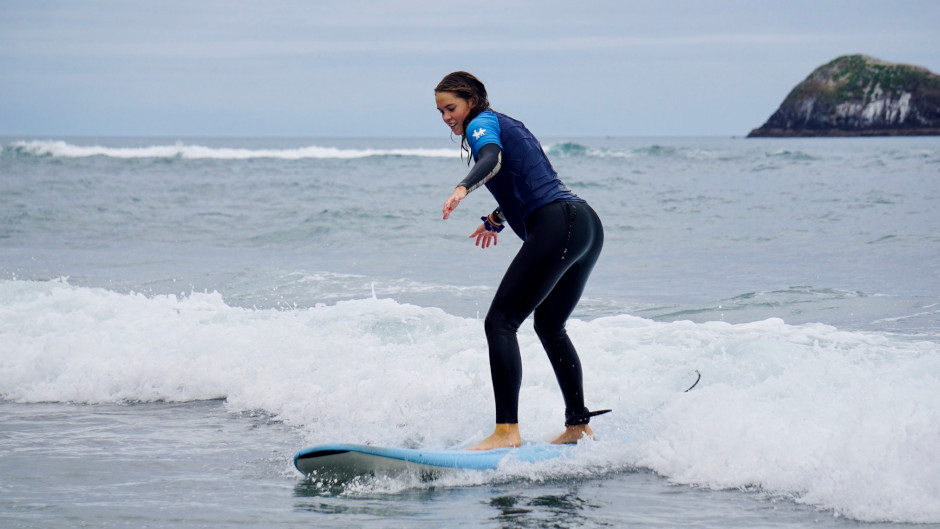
point(547, 277)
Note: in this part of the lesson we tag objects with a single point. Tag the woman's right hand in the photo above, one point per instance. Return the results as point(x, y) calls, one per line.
point(453, 200)
point(484, 237)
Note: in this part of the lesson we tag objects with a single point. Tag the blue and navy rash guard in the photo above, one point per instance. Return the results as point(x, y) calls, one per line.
point(526, 179)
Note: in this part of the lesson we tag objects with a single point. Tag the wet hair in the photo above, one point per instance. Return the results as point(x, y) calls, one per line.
point(467, 87)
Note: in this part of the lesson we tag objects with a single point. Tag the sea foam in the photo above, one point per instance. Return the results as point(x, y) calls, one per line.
point(181, 150)
point(846, 421)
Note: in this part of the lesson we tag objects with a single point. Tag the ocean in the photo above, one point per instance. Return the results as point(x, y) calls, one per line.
point(179, 316)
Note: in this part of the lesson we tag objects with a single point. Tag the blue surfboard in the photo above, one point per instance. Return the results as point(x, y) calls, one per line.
point(355, 459)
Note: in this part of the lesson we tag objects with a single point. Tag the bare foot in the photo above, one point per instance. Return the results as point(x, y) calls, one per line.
point(505, 435)
point(573, 434)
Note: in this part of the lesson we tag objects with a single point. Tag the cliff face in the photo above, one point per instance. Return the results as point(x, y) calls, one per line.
point(856, 95)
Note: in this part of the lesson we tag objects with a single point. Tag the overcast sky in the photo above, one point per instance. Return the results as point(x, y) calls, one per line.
point(184, 68)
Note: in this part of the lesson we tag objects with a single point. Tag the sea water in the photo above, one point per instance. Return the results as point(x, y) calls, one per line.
point(178, 317)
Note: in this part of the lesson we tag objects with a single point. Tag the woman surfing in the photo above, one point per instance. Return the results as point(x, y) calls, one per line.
point(562, 239)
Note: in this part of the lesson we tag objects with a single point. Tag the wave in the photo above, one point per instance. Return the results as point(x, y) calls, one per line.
point(752, 302)
point(845, 421)
point(797, 156)
point(179, 150)
point(577, 150)
point(63, 149)
point(570, 149)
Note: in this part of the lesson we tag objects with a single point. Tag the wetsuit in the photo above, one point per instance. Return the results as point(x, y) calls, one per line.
point(562, 240)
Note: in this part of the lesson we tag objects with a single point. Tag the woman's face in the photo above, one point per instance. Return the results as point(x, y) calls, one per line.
point(454, 110)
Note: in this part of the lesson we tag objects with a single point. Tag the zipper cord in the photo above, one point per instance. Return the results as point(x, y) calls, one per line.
point(574, 214)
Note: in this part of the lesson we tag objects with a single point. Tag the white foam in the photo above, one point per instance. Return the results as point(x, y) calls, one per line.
point(180, 150)
point(846, 421)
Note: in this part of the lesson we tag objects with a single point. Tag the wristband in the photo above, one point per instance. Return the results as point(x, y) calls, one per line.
point(495, 228)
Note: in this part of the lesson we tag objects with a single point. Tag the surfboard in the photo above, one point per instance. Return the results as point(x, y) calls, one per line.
point(356, 459)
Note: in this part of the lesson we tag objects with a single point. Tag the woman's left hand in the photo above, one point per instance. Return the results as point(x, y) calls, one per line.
point(451, 204)
point(484, 236)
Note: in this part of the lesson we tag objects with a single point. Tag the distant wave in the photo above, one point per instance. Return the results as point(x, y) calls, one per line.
point(574, 150)
point(179, 150)
point(798, 156)
point(186, 151)
point(570, 149)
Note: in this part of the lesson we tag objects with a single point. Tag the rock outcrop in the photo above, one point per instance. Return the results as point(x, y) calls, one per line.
point(857, 95)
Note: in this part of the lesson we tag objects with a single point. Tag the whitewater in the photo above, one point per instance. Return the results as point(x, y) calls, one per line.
point(201, 309)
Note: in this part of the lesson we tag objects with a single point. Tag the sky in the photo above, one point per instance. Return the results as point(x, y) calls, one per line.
point(355, 68)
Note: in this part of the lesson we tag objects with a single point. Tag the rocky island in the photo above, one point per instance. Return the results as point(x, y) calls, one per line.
point(857, 95)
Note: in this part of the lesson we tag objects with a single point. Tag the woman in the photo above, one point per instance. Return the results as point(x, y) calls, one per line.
point(562, 240)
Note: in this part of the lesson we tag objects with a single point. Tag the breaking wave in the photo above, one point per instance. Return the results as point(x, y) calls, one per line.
point(62, 149)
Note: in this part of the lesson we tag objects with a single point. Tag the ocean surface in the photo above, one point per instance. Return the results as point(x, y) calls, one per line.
point(179, 316)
